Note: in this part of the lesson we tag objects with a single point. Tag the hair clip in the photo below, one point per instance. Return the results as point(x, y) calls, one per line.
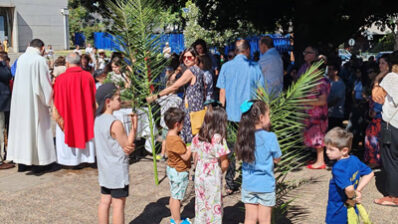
point(246, 106)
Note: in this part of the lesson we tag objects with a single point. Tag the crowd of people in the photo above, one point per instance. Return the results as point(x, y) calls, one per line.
point(353, 110)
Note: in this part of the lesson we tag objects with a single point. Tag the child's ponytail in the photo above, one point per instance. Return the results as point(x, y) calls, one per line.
point(246, 144)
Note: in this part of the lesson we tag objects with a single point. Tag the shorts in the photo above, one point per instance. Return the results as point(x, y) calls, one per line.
point(116, 193)
point(262, 198)
point(178, 182)
point(164, 133)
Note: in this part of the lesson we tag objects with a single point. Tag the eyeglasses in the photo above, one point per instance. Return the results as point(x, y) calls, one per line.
point(308, 52)
point(190, 58)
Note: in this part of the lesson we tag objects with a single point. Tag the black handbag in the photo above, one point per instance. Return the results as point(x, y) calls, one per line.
point(386, 131)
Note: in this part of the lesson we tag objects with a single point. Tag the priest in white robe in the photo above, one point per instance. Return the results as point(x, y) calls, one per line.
point(30, 140)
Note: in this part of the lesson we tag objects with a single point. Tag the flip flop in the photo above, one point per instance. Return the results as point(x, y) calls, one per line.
point(7, 166)
point(381, 201)
point(316, 168)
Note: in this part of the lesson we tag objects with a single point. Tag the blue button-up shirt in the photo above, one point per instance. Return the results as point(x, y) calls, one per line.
point(240, 78)
point(272, 67)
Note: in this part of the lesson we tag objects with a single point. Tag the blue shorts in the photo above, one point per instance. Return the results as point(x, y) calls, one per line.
point(164, 133)
point(178, 182)
point(262, 198)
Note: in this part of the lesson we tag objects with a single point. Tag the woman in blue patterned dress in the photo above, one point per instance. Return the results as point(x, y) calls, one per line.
point(194, 94)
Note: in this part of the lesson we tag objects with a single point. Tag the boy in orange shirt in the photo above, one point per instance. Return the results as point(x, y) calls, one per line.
point(178, 163)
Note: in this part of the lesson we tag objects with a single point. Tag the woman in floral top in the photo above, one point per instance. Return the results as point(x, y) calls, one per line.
point(316, 124)
point(210, 155)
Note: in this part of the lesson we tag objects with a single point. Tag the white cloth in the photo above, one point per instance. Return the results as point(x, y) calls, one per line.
point(73, 156)
point(166, 102)
point(143, 130)
point(30, 139)
point(166, 52)
point(88, 50)
point(77, 51)
point(272, 68)
point(390, 106)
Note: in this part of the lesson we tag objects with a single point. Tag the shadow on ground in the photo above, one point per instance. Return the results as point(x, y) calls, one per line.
point(154, 212)
point(234, 214)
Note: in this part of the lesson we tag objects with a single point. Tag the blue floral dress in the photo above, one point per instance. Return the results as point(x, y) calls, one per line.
point(193, 101)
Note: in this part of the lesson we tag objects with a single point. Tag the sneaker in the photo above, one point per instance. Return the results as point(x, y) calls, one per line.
point(186, 221)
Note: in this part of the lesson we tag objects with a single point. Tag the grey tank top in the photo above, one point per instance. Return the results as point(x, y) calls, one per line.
point(112, 162)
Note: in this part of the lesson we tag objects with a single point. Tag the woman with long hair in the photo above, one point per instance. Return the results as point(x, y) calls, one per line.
point(192, 80)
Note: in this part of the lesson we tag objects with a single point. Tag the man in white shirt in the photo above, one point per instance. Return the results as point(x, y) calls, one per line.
point(89, 49)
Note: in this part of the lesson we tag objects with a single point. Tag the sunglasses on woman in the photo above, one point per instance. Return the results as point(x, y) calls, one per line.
point(190, 58)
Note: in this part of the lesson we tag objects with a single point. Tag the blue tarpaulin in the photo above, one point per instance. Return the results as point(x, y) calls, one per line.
point(281, 43)
point(176, 42)
point(79, 39)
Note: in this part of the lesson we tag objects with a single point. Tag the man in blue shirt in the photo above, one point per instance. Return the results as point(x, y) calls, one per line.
point(271, 66)
point(238, 81)
point(336, 98)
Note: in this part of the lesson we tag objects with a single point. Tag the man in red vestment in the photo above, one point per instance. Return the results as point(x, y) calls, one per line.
point(74, 102)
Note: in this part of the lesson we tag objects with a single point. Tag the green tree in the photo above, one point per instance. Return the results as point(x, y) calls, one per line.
point(194, 30)
point(312, 21)
point(82, 21)
point(383, 21)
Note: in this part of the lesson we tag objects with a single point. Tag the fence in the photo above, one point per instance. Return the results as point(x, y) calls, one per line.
point(176, 42)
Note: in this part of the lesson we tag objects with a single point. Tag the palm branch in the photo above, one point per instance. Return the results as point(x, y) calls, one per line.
point(287, 115)
point(132, 26)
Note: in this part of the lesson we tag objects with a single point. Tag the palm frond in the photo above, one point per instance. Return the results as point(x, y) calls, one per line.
point(133, 23)
point(287, 115)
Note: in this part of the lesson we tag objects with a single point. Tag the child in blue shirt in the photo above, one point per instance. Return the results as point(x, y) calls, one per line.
point(350, 176)
point(259, 150)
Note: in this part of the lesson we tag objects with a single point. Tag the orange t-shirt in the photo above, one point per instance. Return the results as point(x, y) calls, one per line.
point(175, 148)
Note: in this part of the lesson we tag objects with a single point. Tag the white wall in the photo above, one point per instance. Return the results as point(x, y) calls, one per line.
point(39, 19)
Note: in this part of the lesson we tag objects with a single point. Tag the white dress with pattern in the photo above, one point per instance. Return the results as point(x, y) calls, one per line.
point(208, 179)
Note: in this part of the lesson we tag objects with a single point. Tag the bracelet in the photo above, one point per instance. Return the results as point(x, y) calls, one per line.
point(157, 96)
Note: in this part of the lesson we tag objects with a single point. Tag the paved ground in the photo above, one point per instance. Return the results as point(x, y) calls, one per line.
point(71, 196)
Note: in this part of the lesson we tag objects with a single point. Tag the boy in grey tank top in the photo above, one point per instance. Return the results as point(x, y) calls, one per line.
point(113, 146)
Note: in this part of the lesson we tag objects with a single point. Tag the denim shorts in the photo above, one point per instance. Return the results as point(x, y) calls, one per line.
point(178, 182)
point(164, 133)
point(262, 198)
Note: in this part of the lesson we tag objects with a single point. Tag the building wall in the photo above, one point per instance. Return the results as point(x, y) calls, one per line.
point(39, 19)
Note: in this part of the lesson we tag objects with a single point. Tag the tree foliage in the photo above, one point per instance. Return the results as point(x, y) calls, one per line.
point(311, 21)
point(82, 21)
point(194, 30)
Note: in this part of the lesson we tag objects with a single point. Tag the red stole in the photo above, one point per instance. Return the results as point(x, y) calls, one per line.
point(74, 99)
